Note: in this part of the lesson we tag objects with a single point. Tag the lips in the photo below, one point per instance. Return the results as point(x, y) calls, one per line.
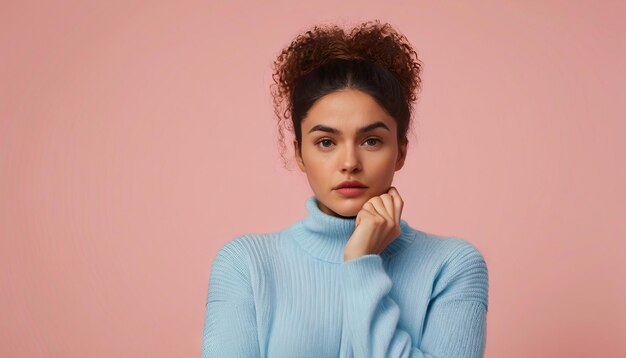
point(351, 184)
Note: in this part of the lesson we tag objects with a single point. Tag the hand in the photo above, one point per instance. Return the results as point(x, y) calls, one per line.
point(377, 225)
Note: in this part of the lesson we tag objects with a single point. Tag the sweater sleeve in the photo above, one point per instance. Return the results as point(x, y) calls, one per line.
point(454, 324)
point(230, 320)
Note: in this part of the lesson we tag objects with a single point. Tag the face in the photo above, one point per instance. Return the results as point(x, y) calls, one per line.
point(347, 135)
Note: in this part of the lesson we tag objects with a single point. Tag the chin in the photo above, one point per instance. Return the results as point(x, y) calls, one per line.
point(348, 209)
point(347, 214)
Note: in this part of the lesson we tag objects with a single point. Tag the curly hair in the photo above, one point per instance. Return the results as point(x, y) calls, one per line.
point(373, 57)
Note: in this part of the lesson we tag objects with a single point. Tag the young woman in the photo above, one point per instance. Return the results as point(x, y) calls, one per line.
point(351, 279)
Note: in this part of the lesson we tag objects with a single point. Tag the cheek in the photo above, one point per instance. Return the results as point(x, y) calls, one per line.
point(382, 164)
point(318, 172)
point(384, 171)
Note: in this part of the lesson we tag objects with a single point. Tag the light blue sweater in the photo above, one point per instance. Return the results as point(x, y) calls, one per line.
point(289, 294)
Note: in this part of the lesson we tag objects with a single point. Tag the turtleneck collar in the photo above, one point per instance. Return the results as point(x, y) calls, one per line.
point(325, 236)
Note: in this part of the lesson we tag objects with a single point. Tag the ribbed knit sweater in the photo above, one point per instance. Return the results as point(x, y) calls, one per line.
point(290, 294)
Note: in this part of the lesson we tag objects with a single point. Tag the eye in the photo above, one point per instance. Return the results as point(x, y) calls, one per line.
point(328, 141)
point(376, 141)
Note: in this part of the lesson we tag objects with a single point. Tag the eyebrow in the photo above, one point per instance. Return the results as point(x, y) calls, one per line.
point(367, 128)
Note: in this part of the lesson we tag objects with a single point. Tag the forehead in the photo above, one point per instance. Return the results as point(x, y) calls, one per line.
point(346, 110)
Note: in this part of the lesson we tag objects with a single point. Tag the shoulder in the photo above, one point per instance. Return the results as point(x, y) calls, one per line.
point(242, 261)
point(462, 272)
point(451, 250)
point(233, 258)
point(463, 252)
point(249, 247)
point(230, 276)
point(239, 247)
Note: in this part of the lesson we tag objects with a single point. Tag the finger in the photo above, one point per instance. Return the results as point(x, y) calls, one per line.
point(362, 212)
point(379, 206)
point(366, 211)
point(388, 201)
point(397, 202)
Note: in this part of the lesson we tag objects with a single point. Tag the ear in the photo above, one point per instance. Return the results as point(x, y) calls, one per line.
point(402, 154)
point(298, 156)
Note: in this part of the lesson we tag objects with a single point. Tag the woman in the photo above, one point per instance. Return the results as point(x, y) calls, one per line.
point(351, 279)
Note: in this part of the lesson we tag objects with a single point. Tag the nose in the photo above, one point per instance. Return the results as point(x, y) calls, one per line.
point(350, 160)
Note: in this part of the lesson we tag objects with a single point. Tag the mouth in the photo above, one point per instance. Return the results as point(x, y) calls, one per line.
point(351, 191)
point(350, 184)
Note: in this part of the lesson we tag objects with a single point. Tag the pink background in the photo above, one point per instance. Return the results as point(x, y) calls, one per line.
point(136, 138)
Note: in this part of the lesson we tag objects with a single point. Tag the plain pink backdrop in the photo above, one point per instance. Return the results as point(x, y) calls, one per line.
point(136, 138)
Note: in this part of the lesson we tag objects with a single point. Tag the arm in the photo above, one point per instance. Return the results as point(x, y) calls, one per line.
point(455, 323)
point(230, 321)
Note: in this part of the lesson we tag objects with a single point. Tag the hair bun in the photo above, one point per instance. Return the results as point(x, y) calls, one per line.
point(372, 41)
